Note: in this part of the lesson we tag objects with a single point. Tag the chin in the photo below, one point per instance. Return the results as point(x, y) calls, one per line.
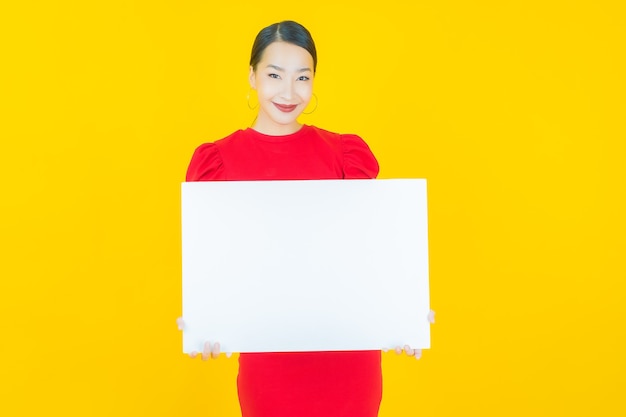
point(286, 120)
point(283, 119)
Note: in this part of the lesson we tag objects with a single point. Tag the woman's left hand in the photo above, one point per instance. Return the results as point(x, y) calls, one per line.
point(415, 352)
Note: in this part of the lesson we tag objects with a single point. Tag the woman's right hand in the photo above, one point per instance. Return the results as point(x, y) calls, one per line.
point(209, 351)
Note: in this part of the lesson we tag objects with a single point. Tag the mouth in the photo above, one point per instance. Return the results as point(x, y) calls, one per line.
point(285, 108)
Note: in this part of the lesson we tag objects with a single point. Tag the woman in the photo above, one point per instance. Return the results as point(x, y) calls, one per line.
point(277, 147)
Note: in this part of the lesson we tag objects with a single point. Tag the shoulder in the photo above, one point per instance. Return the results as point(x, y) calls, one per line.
point(345, 140)
point(206, 162)
point(358, 159)
point(327, 134)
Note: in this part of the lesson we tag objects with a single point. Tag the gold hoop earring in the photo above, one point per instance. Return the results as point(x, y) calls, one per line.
point(249, 106)
point(314, 108)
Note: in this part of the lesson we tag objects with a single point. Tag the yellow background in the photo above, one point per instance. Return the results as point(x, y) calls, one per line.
point(513, 111)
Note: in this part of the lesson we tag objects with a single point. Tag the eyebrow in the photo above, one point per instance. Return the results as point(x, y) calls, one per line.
point(277, 68)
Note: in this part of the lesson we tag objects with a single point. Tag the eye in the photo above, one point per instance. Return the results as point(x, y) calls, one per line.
point(273, 76)
point(303, 78)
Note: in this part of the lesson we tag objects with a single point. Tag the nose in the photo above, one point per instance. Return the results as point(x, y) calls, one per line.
point(288, 90)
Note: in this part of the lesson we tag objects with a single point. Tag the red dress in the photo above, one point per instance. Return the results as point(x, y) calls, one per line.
point(297, 384)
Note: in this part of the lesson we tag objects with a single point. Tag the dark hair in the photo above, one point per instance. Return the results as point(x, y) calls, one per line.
point(285, 31)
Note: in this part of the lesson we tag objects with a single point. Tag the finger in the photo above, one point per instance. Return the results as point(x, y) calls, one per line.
point(206, 353)
point(418, 353)
point(408, 350)
point(215, 351)
point(180, 323)
point(193, 354)
point(398, 350)
point(431, 316)
point(229, 354)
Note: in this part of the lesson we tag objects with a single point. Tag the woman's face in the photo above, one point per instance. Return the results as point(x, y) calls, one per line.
point(284, 83)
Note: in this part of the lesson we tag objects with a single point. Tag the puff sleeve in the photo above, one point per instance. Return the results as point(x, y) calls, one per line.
point(206, 164)
point(358, 160)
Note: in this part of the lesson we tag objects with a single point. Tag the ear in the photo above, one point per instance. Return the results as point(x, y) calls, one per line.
point(252, 78)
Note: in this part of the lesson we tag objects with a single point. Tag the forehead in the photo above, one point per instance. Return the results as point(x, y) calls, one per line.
point(286, 55)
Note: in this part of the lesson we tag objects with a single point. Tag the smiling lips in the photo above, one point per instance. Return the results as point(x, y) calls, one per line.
point(285, 108)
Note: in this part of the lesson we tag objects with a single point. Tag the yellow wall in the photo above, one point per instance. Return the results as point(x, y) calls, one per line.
point(513, 111)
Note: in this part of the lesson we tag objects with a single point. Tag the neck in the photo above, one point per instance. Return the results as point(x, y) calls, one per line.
point(267, 127)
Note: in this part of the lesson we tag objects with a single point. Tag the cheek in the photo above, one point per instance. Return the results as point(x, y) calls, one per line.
point(305, 91)
point(266, 89)
point(262, 91)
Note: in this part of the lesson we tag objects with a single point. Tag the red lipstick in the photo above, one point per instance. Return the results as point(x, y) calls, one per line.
point(285, 108)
